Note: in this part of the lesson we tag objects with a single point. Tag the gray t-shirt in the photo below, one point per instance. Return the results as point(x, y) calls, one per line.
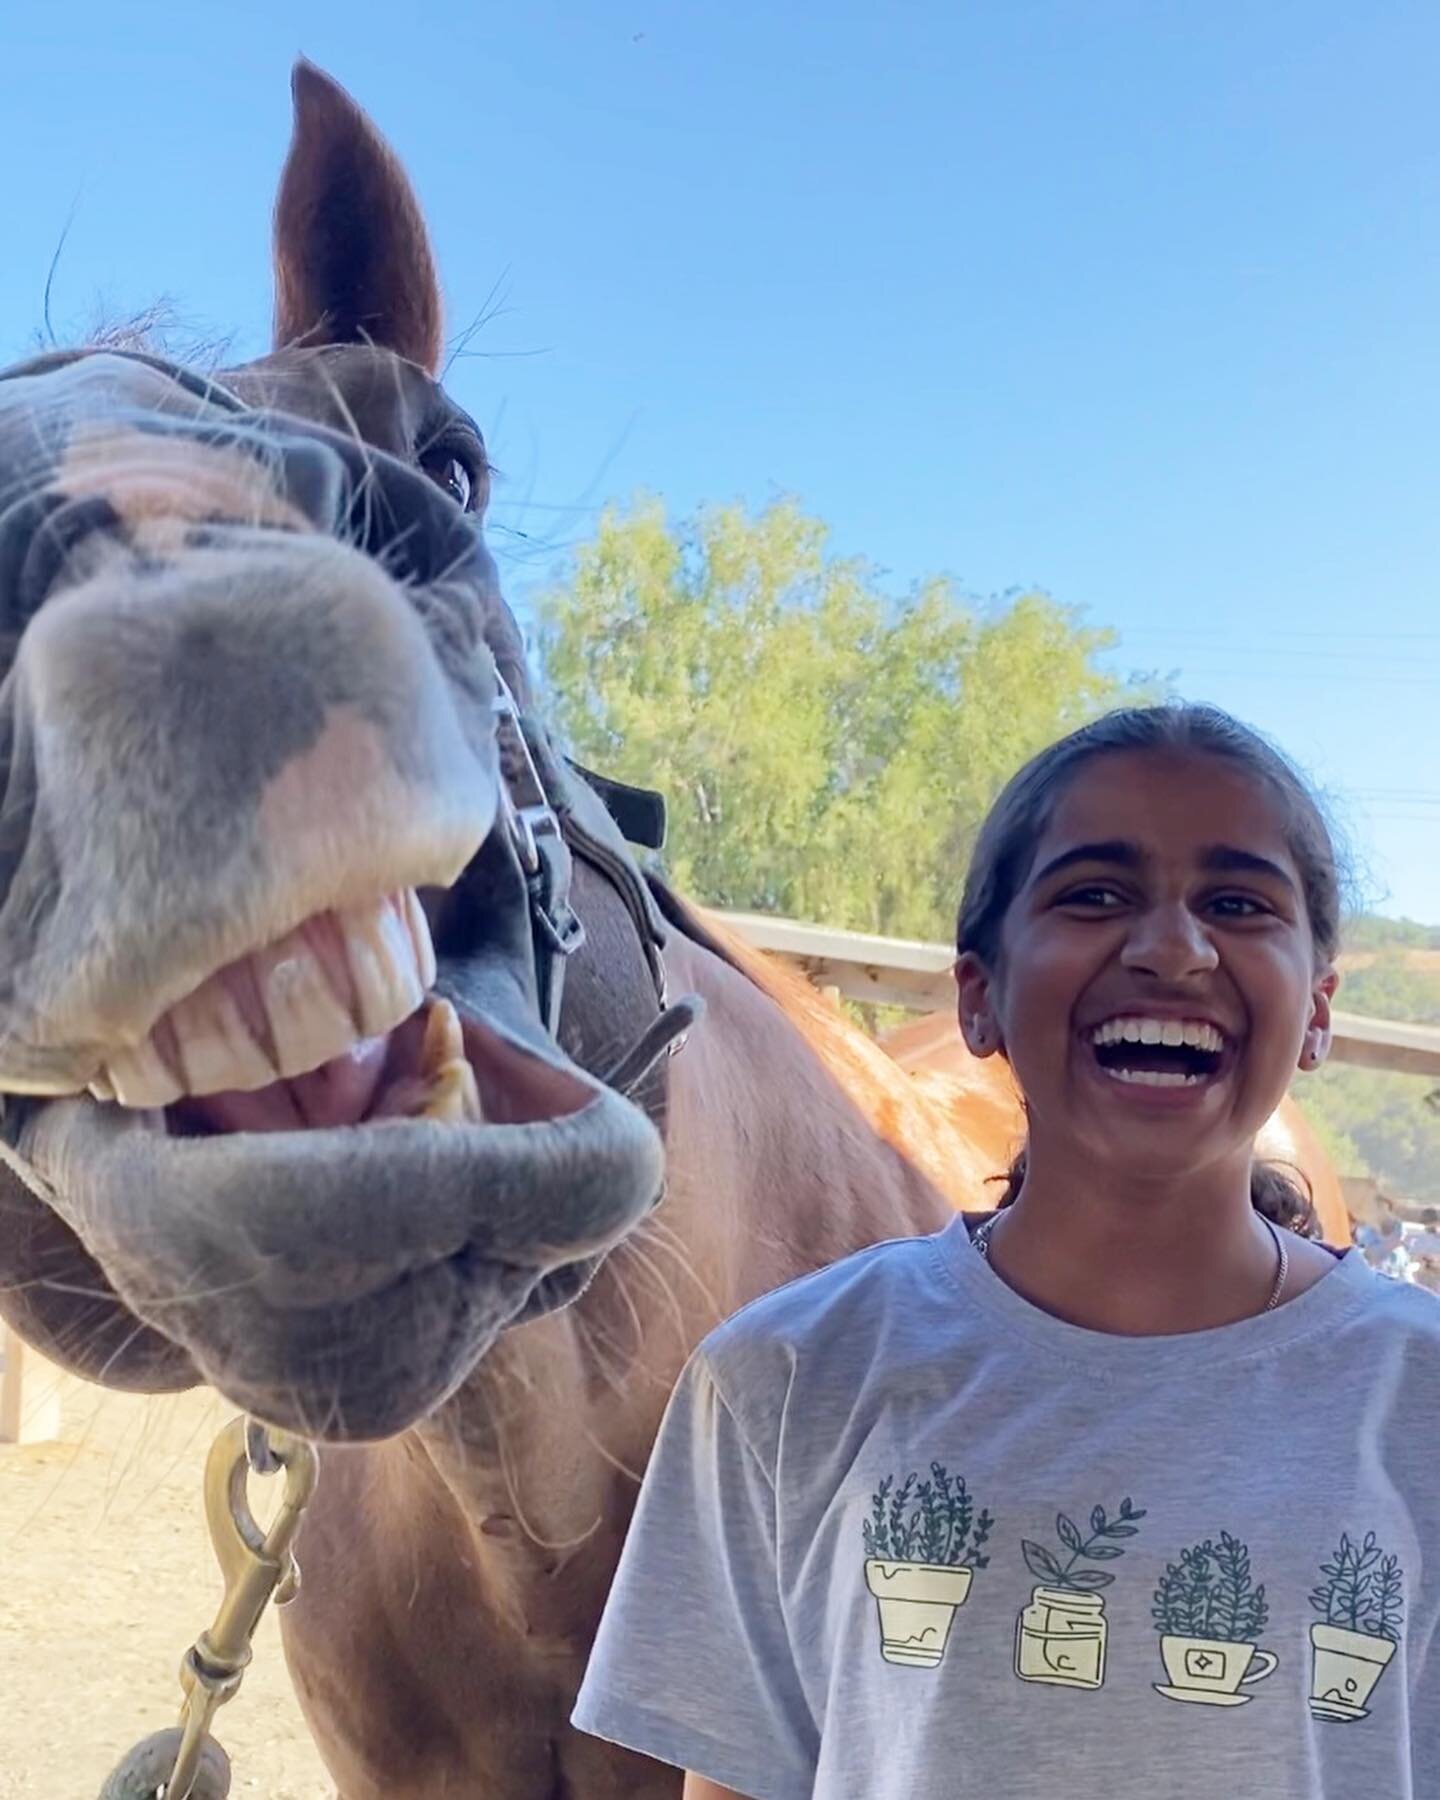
point(907, 1537)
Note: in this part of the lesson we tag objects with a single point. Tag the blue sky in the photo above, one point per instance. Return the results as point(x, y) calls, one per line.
point(1136, 302)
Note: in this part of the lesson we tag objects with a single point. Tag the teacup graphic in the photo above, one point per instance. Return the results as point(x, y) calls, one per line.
point(1344, 1668)
point(918, 1603)
point(1211, 1671)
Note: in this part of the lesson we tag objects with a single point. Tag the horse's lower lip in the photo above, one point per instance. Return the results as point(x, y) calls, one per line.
point(343, 1280)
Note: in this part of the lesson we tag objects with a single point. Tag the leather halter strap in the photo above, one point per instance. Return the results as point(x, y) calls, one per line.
point(551, 812)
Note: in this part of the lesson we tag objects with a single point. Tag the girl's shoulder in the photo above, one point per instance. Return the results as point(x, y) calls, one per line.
point(1391, 1303)
point(828, 1301)
point(821, 1339)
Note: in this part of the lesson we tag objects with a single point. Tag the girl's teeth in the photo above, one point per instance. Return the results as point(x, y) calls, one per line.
point(1173, 1032)
point(1155, 1077)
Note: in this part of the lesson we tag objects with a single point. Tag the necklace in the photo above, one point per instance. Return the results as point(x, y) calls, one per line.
point(981, 1241)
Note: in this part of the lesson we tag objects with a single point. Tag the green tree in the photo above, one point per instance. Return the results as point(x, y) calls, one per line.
point(827, 751)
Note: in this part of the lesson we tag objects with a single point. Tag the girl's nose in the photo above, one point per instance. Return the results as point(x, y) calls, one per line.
point(1169, 943)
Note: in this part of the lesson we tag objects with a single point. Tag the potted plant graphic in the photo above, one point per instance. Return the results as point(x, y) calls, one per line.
point(923, 1543)
point(1060, 1636)
point(1362, 1603)
point(1209, 1613)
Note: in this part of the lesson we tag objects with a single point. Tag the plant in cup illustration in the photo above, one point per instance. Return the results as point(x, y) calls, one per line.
point(1060, 1637)
point(923, 1543)
point(1210, 1613)
point(1362, 1603)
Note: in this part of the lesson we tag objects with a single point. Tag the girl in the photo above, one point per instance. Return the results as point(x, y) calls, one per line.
point(1128, 1490)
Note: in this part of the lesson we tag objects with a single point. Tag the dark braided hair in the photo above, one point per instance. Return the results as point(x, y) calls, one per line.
point(1003, 851)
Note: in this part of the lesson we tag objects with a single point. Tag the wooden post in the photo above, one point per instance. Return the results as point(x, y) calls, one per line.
point(12, 1372)
point(32, 1418)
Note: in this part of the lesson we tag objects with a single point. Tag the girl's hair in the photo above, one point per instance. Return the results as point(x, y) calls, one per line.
point(1005, 848)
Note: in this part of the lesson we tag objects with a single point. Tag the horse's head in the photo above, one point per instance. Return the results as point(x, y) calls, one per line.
point(281, 1108)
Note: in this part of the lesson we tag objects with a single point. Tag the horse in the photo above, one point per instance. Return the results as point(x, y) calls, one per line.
point(350, 1063)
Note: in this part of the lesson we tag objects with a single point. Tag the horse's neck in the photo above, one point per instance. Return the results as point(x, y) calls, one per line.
point(774, 1169)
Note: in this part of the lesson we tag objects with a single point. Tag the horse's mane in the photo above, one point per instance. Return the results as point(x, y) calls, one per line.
point(808, 1010)
point(924, 1120)
point(155, 330)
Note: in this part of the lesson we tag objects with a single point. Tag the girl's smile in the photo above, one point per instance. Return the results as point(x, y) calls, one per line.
point(1162, 1056)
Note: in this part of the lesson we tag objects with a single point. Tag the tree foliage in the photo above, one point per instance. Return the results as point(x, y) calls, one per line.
point(827, 751)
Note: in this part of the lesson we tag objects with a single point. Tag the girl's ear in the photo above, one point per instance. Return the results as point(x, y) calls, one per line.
point(979, 1023)
point(1316, 1045)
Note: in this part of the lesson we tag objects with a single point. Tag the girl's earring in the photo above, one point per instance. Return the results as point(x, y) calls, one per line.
point(1312, 1057)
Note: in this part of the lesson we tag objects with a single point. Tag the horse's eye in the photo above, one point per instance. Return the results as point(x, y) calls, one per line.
point(451, 472)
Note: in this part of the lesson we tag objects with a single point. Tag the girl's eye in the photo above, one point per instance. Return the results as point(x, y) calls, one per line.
point(1238, 906)
point(1094, 897)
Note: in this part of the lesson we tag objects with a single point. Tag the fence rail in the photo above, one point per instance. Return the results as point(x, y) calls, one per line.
point(906, 973)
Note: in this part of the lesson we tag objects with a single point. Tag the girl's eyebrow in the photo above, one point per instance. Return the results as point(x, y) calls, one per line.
point(1112, 850)
point(1228, 859)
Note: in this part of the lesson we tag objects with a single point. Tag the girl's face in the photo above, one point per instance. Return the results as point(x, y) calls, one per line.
point(1157, 983)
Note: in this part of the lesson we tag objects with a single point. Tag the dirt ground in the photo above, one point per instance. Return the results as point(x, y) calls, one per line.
point(106, 1576)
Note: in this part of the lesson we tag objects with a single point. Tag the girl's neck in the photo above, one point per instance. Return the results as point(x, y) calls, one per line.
point(1142, 1259)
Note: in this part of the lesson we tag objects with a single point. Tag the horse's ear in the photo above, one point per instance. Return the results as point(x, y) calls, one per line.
point(352, 256)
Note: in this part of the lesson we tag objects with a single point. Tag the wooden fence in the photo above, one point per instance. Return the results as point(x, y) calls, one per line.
point(906, 973)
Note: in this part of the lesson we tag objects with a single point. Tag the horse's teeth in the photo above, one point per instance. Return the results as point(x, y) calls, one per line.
point(419, 928)
point(304, 1021)
point(454, 1098)
point(138, 1077)
point(383, 945)
point(452, 1094)
point(217, 1049)
point(307, 1021)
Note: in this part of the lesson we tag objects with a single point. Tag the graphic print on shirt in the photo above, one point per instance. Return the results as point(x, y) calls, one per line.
point(1362, 1603)
point(923, 1544)
point(1210, 1614)
point(1060, 1636)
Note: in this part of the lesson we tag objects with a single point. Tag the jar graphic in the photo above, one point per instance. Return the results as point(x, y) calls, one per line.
point(1060, 1639)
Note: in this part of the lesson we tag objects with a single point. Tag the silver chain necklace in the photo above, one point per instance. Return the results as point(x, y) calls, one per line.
point(981, 1241)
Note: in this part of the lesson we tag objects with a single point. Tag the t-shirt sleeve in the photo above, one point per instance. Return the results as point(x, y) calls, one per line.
point(693, 1663)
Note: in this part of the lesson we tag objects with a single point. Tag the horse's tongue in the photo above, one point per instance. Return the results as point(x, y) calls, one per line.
point(337, 1093)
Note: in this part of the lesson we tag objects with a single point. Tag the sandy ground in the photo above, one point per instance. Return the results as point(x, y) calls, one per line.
point(106, 1576)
